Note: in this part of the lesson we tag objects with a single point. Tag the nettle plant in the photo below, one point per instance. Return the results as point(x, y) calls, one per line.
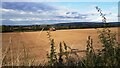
point(52, 55)
point(110, 52)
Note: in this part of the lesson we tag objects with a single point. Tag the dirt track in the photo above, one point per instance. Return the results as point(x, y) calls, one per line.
point(38, 43)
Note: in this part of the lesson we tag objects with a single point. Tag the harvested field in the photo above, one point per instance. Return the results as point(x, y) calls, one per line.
point(38, 44)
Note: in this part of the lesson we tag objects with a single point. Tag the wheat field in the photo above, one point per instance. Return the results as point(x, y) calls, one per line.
point(37, 43)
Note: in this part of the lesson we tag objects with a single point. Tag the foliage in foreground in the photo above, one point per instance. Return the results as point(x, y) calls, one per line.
point(107, 56)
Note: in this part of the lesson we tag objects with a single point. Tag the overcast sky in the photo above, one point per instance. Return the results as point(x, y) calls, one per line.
point(28, 13)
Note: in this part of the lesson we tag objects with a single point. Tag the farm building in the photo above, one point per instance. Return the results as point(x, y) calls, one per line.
point(52, 29)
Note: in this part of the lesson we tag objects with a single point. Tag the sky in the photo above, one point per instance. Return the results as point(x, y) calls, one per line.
point(59, 0)
point(31, 13)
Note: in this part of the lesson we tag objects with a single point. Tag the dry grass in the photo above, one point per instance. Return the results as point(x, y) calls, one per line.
point(0, 49)
point(38, 44)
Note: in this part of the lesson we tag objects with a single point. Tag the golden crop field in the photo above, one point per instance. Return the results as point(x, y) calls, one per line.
point(38, 44)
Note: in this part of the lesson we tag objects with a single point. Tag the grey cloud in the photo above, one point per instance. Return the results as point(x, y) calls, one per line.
point(73, 15)
point(27, 6)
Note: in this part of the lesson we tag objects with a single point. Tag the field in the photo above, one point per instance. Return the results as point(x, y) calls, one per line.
point(38, 44)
